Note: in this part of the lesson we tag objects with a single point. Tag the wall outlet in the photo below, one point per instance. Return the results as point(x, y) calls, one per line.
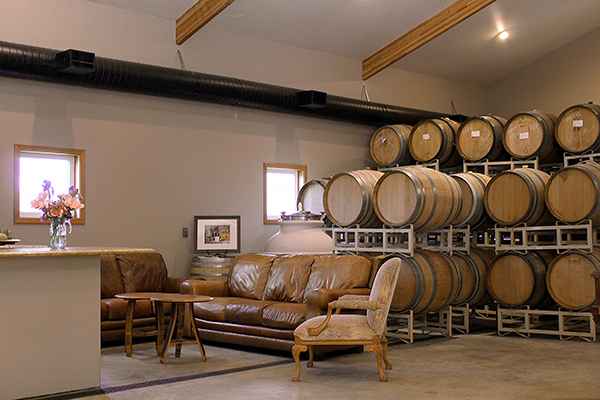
point(185, 232)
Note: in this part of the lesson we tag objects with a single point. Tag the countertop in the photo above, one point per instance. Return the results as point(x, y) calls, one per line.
point(42, 251)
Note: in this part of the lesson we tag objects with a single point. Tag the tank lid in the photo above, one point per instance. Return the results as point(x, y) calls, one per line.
point(301, 216)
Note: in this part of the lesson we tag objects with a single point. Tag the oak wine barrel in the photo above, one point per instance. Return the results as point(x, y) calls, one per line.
point(433, 139)
point(517, 197)
point(421, 196)
point(480, 138)
point(573, 193)
point(310, 195)
point(389, 145)
point(569, 279)
point(348, 198)
point(472, 187)
point(427, 283)
point(211, 267)
point(530, 134)
point(481, 260)
point(516, 279)
point(578, 128)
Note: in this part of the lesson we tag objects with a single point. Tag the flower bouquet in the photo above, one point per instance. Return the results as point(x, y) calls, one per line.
point(58, 210)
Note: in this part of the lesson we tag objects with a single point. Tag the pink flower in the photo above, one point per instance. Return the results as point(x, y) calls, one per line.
point(72, 202)
point(41, 201)
point(56, 210)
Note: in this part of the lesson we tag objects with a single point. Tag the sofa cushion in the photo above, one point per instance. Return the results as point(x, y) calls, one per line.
point(338, 272)
point(231, 309)
point(249, 276)
point(286, 315)
point(143, 272)
point(110, 277)
point(288, 278)
point(116, 309)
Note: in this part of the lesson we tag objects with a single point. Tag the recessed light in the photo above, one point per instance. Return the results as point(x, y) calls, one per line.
point(503, 35)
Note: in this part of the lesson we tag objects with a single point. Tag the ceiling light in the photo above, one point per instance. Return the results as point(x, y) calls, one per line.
point(503, 35)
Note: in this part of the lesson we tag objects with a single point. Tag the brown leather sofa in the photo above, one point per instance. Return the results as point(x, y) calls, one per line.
point(137, 272)
point(267, 297)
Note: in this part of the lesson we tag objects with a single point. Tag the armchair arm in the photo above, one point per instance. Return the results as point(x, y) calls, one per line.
point(322, 297)
point(205, 288)
point(173, 285)
point(350, 304)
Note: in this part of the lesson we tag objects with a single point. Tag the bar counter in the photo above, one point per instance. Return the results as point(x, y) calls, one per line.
point(50, 308)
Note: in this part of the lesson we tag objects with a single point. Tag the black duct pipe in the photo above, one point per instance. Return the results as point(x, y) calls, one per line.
point(50, 65)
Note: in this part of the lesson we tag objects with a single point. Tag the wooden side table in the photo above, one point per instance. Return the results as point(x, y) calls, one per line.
point(179, 304)
point(130, 332)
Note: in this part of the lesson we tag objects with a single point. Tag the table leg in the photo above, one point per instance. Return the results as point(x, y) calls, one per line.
point(160, 326)
point(179, 333)
point(195, 330)
point(129, 327)
point(172, 323)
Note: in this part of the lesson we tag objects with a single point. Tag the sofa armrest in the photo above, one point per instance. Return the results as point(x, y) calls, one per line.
point(322, 297)
point(205, 288)
point(173, 285)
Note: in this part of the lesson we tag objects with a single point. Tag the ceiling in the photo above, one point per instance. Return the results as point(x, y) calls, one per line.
point(356, 28)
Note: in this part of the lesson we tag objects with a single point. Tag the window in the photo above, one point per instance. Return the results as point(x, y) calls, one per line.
point(35, 164)
point(281, 185)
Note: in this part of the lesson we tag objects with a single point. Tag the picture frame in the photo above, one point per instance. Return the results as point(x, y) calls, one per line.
point(217, 234)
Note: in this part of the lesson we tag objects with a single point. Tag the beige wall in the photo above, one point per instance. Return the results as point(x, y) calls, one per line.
point(567, 76)
point(154, 163)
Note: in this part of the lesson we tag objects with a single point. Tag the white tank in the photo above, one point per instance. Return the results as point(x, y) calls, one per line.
point(300, 233)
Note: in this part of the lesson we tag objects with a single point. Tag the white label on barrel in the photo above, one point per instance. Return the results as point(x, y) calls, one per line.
point(577, 123)
point(426, 136)
point(524, 135)
point(475, 134)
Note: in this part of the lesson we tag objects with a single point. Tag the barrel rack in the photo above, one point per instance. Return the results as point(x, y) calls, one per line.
point(404, 240)
point(408, 327)
point(492, 167)
point(568, 158)
point(556, 237)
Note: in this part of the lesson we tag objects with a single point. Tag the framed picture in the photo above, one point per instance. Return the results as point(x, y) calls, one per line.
point(217, 233)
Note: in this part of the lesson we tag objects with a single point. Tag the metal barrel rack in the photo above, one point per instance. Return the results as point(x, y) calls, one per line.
point(570, 159)
point(556, 237)
point(493, 167)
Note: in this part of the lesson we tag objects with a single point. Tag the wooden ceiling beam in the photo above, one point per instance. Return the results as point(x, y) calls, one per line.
point(428, 30)
point(197, 16)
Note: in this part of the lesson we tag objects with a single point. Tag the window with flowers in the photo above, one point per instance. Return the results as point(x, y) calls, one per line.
point(34, 165)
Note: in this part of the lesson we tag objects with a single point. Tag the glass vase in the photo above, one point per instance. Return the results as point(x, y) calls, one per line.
point(58, 235)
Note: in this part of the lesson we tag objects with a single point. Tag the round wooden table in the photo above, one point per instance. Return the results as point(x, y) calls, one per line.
point(179, 302)
point(130, 333)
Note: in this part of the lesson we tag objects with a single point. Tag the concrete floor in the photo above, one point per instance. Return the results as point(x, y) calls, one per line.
point(469, 367)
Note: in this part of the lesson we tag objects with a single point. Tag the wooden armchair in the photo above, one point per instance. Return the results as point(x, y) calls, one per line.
point(596, 306)
point(351, 329)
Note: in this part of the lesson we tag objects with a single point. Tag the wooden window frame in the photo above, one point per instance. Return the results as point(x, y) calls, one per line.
point(301, 170)
point(79, 179)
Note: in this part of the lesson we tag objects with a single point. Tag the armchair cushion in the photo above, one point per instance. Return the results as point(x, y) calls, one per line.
point(341, 327)
point(338, 272)
point(288, 278)
point(205, 288)
point(249, 276)
point(143, 272)
point(231, 309)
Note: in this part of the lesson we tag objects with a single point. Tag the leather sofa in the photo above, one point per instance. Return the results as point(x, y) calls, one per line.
point(266, 297)
point(136, 272)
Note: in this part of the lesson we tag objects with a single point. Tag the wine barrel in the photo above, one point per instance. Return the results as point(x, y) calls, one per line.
point(480, 138)
point(578, 128)
point(472, 271)
point(427, 283)
point(472, 187)
point(569, 279)
point(516, 279)
point(572, 194)
point(310, 195)
point(517, 196)
point(424, 197)
point(433, 139)
point(211, 268)
point(389, 145)
point(530, 134)
point(348, 198)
